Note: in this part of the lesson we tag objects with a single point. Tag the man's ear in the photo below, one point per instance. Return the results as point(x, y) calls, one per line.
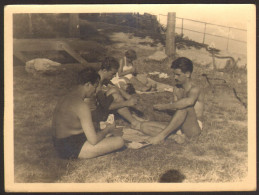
point(87, 84)
point(188, 74)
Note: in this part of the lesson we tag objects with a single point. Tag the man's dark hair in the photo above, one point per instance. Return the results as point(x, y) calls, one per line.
point(184, 64)
point(88, 75)
point(131, 54)
point(110, 63)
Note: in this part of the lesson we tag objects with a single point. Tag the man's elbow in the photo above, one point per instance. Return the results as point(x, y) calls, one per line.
point(190, 103)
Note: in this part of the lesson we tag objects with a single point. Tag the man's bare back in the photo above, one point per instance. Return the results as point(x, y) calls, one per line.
point(66, 121)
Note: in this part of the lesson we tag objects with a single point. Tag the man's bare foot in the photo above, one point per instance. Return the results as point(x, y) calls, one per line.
point(179, 138)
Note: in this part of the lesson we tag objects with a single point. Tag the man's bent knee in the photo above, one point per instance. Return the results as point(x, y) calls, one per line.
point(119, 141)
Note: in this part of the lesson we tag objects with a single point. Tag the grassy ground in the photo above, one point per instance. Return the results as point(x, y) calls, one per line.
point(218, 155)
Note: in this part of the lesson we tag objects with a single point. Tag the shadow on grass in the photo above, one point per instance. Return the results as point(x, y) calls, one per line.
point(172, 176)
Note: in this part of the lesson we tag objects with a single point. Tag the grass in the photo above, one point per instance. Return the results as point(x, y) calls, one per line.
point(218, 155)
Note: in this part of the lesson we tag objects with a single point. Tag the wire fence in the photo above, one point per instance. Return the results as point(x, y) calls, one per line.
point(222, 37)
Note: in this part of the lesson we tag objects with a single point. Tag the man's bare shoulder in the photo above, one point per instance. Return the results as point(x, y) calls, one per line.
point(73, 103)
point(195, 89)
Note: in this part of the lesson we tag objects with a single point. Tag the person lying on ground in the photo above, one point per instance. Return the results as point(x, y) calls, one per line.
point(111, 98)
point(74, 134)
point(188, 106)
point(127, 73)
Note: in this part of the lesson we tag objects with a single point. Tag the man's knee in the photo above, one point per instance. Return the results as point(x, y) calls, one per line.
point(182, 111)
point(119, 141)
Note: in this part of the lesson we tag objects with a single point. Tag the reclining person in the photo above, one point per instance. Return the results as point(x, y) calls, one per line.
point(188, 106)
point(127, 74)
point(74, 134)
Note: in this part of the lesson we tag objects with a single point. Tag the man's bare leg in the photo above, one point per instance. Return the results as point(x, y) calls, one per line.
point(191, 127)
point(184, 119)
point(107, 145)
point(124, 112)
point(152, 128)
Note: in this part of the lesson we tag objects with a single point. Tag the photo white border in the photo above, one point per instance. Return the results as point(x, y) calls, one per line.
point(10, 186)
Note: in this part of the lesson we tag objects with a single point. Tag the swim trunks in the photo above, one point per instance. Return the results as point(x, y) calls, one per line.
point(69, 147)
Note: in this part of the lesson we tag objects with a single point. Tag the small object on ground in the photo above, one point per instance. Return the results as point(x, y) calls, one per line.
point(163, 75)
point(169, 89)
point(179, 132)
point(160, 74)
point(154, 73)
point(42, 65)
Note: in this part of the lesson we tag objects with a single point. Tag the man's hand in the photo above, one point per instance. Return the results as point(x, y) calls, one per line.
point(110, 127)
point(160, 106)
point(132, 101)
point(155, 140)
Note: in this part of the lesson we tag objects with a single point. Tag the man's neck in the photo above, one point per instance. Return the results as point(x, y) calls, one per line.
point(79, 92)
point(187, 85)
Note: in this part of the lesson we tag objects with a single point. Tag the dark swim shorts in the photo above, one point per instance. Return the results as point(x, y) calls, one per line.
point(69, 147)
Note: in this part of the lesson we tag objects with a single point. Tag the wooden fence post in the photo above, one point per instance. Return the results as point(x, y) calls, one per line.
point(228, 38)
point(204, 33)
point(74, 30)
point(170, 36)
point(182, 28)
point(30, 25)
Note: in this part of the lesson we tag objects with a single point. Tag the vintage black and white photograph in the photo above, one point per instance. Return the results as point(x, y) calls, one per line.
point(130, 98)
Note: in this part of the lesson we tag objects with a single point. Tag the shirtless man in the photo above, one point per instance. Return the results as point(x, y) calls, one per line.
point(111, 98)
point(74, 134)
point(188, 106)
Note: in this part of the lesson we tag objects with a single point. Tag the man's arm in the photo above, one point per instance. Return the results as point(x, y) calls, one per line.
point(182, 103)
point(85, 117)
point(128, 103)
point(119, 102)
point(123, 93)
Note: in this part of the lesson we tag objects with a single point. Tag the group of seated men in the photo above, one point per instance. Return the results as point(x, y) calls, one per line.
point(76, 118)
